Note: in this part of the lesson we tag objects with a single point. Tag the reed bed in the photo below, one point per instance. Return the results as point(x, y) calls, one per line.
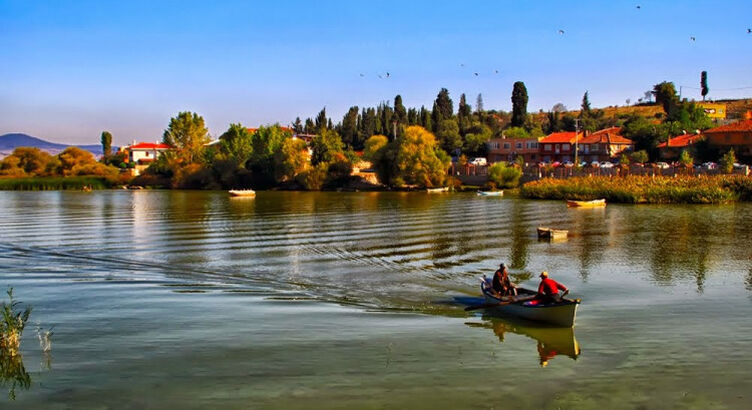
point(637, 189)
point(54, 183)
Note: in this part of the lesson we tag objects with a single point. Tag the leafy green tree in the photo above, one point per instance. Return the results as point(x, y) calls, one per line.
point(640, 156)
point(519, 104)
point(665, 94)
point(476, 139)
point(504, 176)
point(309, 127)
point(464, 112)
point(449, 135)
point(585, 107)
point(374, 148)
point(236, 145)
point(704, 84)
point(727, 162)
point(516, 132)
point(72, 159)
point(418, 159)
point(555, 124)
point(106, 144)
point(321, 120)
point(291, 160)
point(325, 146)
point(350, 127)
point(266, 141)
point(26, 161)
point(686, 159)
point(400, 113)
point(297, 126)
point(188, 133)
point(444, 105)
point(367, 125)
point(412, 116)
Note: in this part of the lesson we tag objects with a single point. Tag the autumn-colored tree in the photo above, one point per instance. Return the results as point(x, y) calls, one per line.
point(188, 133)
point(26, 161)
point(291, 160)
point(418, 160)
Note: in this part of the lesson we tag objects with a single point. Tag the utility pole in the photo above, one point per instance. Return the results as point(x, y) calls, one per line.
point(576, 145)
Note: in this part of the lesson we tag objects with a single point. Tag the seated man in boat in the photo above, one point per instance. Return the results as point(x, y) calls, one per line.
point(501, 283)
point(548, 290)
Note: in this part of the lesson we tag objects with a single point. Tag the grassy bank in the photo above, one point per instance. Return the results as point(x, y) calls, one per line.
point(54, 183)
point(645, 189)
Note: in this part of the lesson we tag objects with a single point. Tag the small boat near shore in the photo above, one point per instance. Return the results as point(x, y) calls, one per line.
point(490, 193)
point(560, 313)
point(552, 234)
point(595, 203)
point(242, 192)
point(437, 190)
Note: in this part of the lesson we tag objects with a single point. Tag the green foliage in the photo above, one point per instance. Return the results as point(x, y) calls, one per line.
point(504, 176)
point(727, 162)
point(516, 132)
point(236, 145)
point(643, 189)
point(291, 160)
point(375, 147)
point(25, 161)
point(266, 142)
point(585, 107)
point(413, 160)
point(640, 156)
point(443, 106)
point(519, 104)
point(349, 129)
point(704, 84)
point(188, 133)
point(686, 159)
point(106, 143)
point(12, 325)
point(314, 177)
point(665, 94)
point(448, 135)
point(325, 146)
point(476, 139)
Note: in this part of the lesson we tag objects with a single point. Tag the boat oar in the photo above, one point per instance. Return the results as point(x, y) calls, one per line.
point(488, 305)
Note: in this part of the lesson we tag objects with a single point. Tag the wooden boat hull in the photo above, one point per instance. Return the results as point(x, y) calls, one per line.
point(242, 192)
point(586, 204)
point(437, 190)
point(561, 314)
point(553, 234)
point(491, 193)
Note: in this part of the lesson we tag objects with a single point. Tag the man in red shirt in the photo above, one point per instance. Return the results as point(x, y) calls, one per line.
point(548, 290)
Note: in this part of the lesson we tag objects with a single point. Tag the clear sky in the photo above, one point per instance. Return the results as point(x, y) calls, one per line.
point(71, 69)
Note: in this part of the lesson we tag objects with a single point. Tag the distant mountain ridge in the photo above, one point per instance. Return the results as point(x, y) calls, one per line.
point(9, 142)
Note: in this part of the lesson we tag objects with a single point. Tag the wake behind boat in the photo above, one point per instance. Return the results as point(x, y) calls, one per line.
point(523, 306)
point(242, 192)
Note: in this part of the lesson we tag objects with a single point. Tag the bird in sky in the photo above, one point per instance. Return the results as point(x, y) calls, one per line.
point(638, 6)
point(692, 38)
point(749, 30)
point(496, 71)
point(561, 31)
point(380, 76)
point(462, 64)
point(387, 74)
point(361, 74)
point(476, 74)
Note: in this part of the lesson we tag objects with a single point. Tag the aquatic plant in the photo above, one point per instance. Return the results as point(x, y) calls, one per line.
point(55, 183)
point(12, 325)
point(636, 189)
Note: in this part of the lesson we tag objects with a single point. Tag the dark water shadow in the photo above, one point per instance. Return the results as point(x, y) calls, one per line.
point(13, 373)
point(551, 341)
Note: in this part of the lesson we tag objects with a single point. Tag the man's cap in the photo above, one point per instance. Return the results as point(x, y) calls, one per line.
point(544, 274)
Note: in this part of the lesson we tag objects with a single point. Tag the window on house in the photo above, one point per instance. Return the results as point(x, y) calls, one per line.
point(147, 154)
point(547, 147)
point(506, 145)
point(518, 145)
point(565, 147)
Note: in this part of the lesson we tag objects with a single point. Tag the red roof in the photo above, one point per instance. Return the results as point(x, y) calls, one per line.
point(606, 136)
point(559, 137)
point(150, 145)
point(741, 126)
point(253, 130)
point(682, 140)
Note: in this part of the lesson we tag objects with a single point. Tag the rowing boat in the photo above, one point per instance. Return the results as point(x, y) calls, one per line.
point(586, 204)
point(558, 314)
point(552, 234)
point(437, 190)
point(242, 192)
point(491, 193)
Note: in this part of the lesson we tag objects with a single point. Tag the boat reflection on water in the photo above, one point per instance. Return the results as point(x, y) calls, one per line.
point(551, 341)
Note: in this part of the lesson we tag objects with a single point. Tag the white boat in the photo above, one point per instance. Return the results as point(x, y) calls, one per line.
point(491, 193)
point(595, 203)
point(242, 192)
point(558, 314)
point(437, 190)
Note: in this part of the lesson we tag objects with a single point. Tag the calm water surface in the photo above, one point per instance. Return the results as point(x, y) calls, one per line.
point(351, 300)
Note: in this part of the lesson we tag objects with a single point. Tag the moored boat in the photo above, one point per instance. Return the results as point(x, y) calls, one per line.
point(561, 313)
point(553, 234)
point(242, 192)
point(586, 204)
point(437, 190)
point(491, 193)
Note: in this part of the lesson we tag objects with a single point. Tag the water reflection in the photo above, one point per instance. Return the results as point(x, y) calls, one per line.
point(551, 341)
point(518, 252)
point(13, 374)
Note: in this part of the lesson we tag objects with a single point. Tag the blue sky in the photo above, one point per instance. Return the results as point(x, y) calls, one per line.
point(74, 68)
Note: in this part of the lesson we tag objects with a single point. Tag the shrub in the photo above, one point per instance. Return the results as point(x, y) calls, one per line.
point(504, 176)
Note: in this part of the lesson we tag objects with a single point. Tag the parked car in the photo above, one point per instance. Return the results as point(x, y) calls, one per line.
point(661, 165)
point(606, 164)
point(568, 164)
point(478, 161)
point(709, 165)
point(556, 164)
point(595, 164)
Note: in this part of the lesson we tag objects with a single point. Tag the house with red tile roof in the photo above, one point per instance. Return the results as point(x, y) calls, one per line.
point(672, 149)
point(603, 145)
point(142, 154)
point(737, 135)
point(558, 146)
point(509, 149)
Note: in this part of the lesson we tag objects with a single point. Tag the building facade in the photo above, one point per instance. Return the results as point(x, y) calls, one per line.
point(737, 136)
point(603, 145)
point(509, 149)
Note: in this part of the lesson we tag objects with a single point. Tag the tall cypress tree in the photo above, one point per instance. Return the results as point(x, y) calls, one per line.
point(444, 104)
point(585, 105)
point(349, 132)
point(321, 120)
point(704, 84)
point(463, 115)
point(519, 104)
point(106, 144)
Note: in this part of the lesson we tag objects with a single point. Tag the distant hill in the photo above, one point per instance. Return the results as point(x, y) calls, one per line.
point(9, 142)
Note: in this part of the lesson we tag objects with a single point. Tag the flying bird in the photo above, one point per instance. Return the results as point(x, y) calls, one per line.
point(496, 71)
point(561, 31)
point(361, 74)
point(387, 74)
point(462, 64)
point(476, 74)
point(749, 30)
point(638, 6)
point(692, 38)
point(380, 76)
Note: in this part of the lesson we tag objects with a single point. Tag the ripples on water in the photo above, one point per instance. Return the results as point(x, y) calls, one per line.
point(650, 276)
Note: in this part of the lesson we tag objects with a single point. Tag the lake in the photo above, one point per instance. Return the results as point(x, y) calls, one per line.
point(181, 299)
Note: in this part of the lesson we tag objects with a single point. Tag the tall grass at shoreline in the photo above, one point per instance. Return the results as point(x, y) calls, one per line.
point(54, 183)
point(636, 189)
